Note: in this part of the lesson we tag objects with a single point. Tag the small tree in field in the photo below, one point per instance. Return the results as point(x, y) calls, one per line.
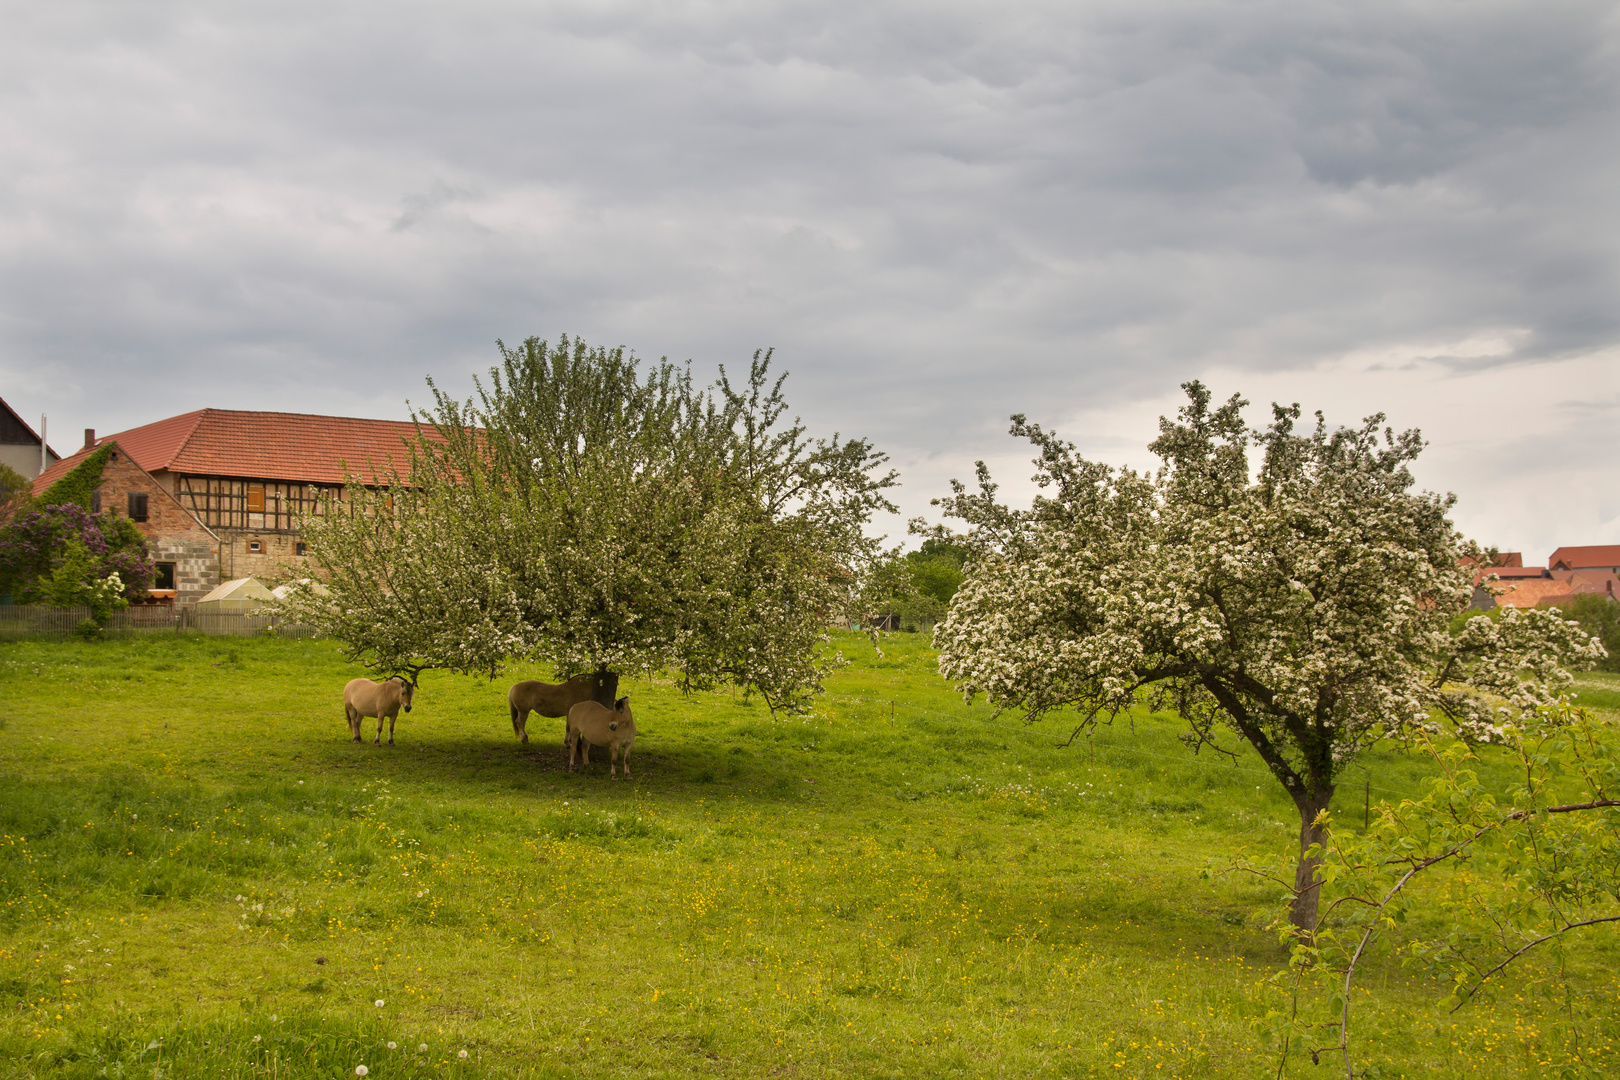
point(1305, 607)
point(578, 511)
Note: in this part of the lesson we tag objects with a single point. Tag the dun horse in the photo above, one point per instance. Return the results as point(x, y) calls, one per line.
point(547, 699)
point(594, 724)
point(363, 698)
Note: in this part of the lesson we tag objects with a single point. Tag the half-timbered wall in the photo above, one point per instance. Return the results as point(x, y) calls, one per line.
point(259, 505)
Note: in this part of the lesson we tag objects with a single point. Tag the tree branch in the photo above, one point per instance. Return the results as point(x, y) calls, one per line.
point(1263, 746)
point(1566, 929)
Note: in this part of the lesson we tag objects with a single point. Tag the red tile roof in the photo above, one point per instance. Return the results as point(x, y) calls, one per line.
point(1513, 573)
point(1509, 558)
point(1578, 558)
point(1591, 581)
point(258, 445)
point(1532, 593)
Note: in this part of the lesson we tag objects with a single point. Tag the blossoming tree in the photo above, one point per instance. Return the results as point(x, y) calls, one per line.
point(1305, 607)
point(577, 511)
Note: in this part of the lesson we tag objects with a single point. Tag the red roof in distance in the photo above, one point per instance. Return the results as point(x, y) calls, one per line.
point(1513, 573)
point(1579, 558)
point(1533, 593)
point(295, 447)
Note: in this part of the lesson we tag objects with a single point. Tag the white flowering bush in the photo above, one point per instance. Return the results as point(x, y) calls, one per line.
point(1304, 607)
point(577, 512)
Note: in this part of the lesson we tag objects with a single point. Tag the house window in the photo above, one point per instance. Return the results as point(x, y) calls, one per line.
point(95, 501)
point(163, 578)
point(137, 506)
point(254, 547)
point(300, 548)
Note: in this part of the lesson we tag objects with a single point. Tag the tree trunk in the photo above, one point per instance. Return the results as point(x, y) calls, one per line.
point(1302, 912)
point(607, 687)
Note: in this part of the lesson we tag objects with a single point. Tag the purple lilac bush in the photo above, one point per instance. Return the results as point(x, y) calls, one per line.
point(33, 544)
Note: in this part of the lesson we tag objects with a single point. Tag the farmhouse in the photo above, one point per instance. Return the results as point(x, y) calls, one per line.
point(245, 478)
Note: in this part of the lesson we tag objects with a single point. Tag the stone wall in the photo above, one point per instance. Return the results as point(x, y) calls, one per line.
point(277, 557)
point(196, 566)
point(172, 533)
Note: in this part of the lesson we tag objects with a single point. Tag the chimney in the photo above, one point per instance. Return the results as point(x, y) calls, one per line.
point(89, 437)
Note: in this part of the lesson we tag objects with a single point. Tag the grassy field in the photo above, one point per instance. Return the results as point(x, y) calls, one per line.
point(200, 875)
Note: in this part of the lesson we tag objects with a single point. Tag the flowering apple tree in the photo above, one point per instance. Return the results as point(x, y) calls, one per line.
point(1304, 608)
point(577, 511)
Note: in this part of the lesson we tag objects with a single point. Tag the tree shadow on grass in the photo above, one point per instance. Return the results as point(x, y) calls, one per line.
point(692, 769)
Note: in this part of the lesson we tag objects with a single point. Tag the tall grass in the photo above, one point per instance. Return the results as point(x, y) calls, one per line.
point(193, 854)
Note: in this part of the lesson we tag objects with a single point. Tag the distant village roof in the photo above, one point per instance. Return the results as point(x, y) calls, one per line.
point(1560, 586)
point(1606, 556)
point(1514, 573)
point(1535, 592)
point(295, 447)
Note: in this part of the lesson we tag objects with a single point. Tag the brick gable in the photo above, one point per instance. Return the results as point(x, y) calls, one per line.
point(172, 534)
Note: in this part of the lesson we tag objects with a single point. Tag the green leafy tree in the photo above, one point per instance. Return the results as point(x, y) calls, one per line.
point(13, 492)
point(1535, 863)
point(580, 511)
point(1599, 615)
point(936, 572)
point(1304, 607)
point(75, 581)
point(916, 587)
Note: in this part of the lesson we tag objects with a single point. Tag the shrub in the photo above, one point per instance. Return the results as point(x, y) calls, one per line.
point(1598, 615)
point(65, 555)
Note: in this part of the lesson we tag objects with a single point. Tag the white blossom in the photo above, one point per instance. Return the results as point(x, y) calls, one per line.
point(578, 513)
point(1307, 609)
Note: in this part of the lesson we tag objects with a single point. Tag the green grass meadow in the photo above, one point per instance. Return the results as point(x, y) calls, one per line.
point(200, 875)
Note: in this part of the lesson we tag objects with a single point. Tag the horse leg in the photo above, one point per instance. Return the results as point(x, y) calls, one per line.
point(378, 740)
point(520, 723)
point(624, 759)
point(391, 718)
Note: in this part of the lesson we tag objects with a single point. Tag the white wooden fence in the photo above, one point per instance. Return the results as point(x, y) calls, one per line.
point(20, 621)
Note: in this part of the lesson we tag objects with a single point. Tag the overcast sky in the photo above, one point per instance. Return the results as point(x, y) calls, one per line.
point(938, 214)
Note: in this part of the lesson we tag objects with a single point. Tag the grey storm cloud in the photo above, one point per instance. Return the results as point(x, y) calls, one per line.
point(938, 213)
